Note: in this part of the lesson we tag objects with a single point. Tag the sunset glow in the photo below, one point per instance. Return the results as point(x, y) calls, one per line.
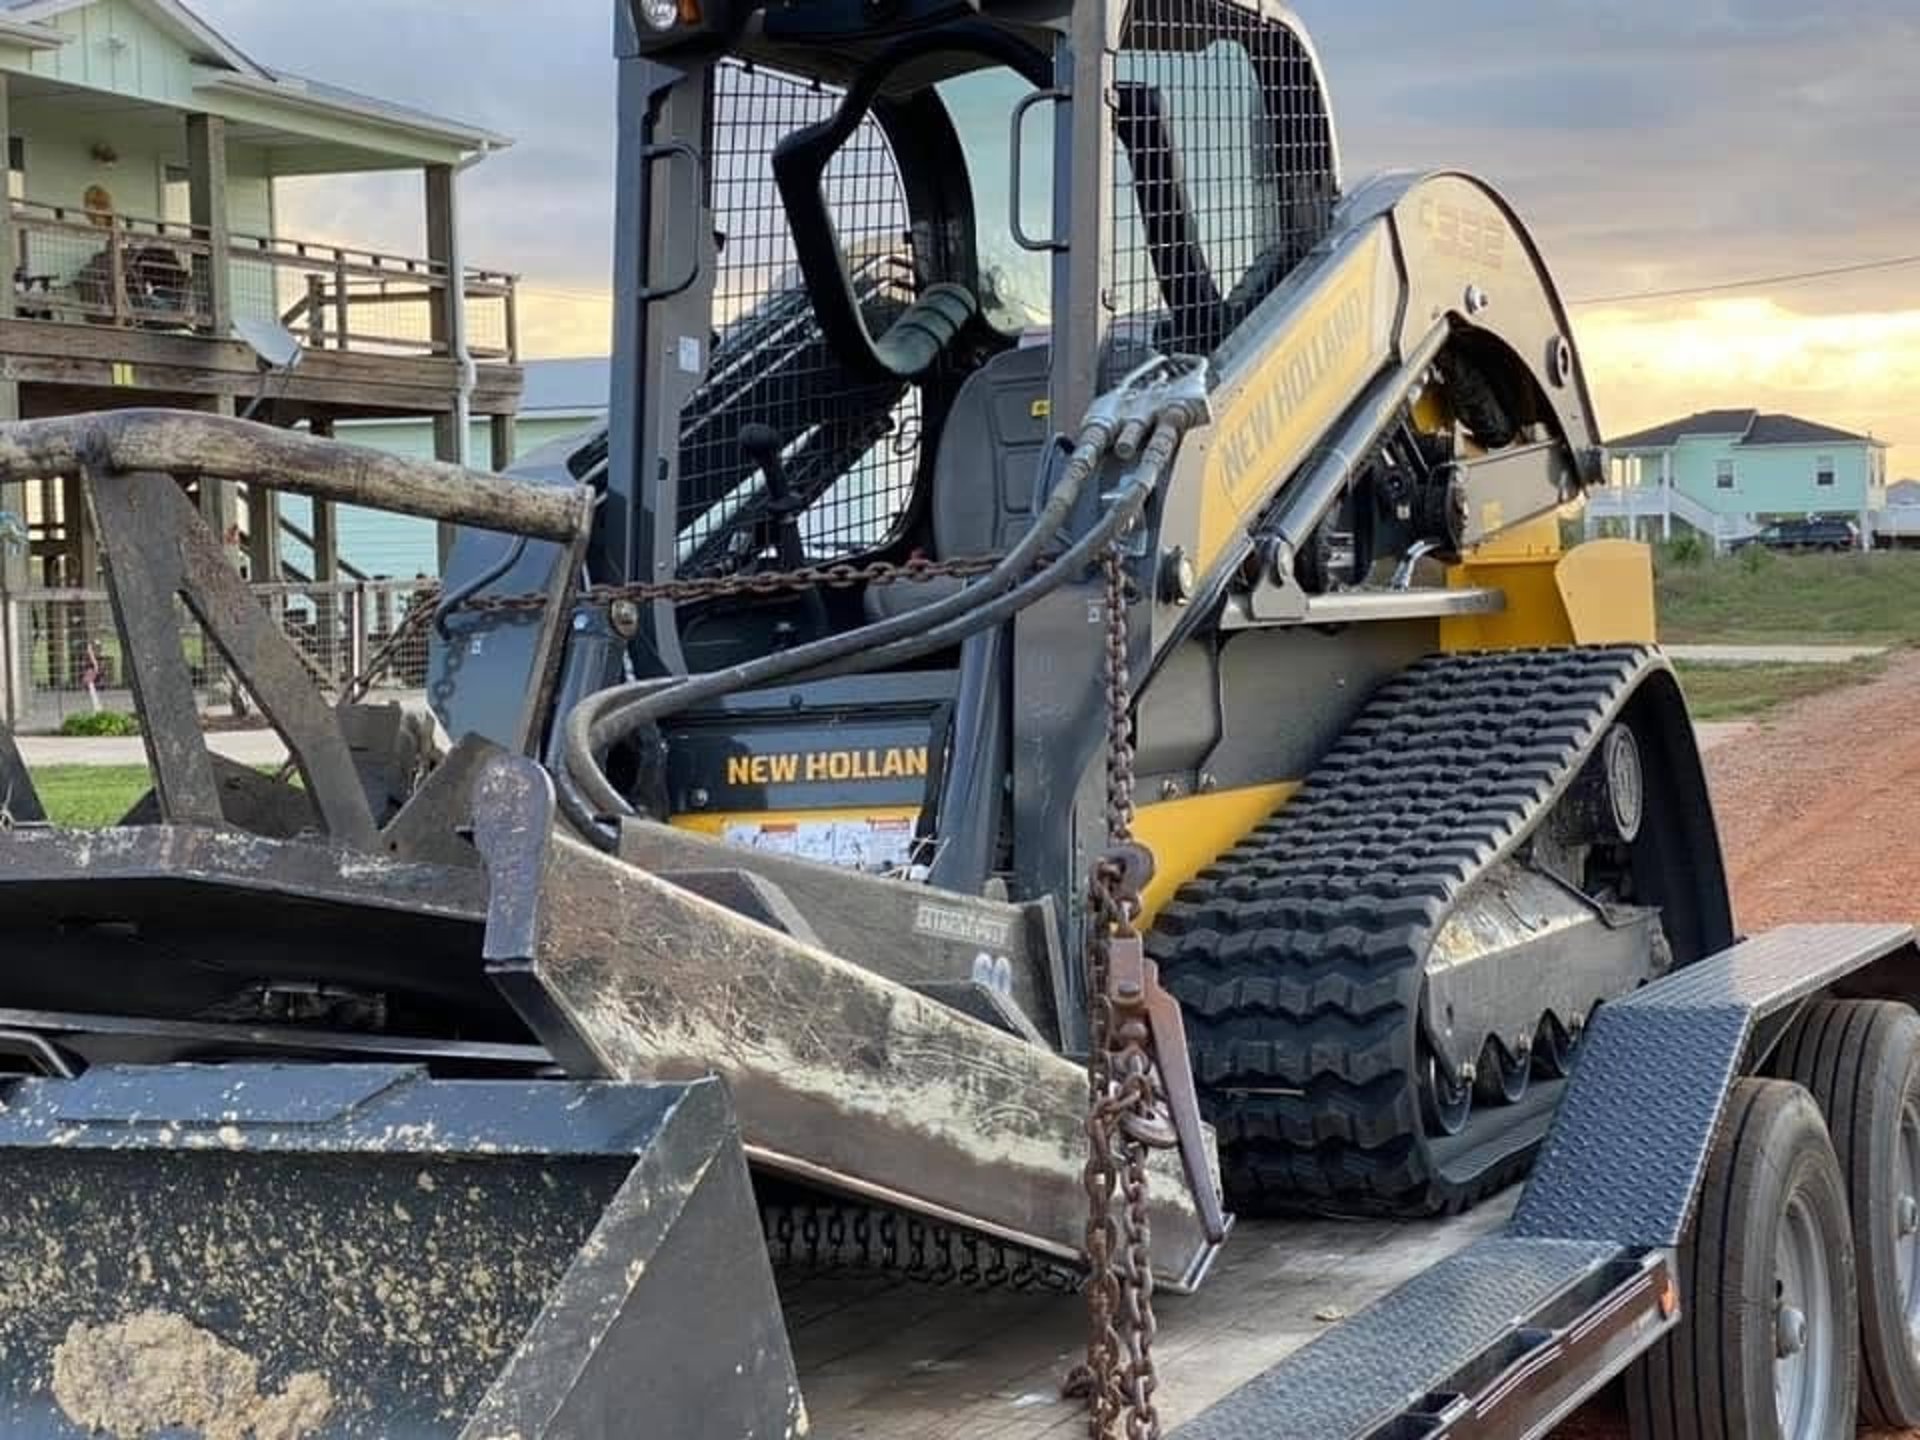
point(1652, 363)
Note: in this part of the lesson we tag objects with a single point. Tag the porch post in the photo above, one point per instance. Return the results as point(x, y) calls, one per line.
point(1666, 495)
point(9, 246)
point(216, 496)
point(441, 252)
point(503, 440)
point(207, 190)
point(15, 545)
point(15, 541)
point(326, 566)
point(263, 535)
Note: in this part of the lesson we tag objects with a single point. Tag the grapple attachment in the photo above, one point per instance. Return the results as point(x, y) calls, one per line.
point(269, 1252)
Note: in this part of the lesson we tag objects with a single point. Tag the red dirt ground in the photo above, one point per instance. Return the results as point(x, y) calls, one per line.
point(1819, 822)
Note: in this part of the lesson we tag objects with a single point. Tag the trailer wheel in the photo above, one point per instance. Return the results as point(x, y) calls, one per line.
point(1860, 1060)
point(1766, 1347)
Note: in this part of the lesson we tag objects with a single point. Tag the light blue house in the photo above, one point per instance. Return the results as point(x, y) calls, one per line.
point(560, 398)
point(1728, 472)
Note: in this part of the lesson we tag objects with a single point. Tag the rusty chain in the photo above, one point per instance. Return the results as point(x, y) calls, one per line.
point(755, 583)
point(711, 587)
point(1126, 1119)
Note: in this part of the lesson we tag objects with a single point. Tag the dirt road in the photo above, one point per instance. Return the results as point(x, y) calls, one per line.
point(1819, 810)
point(1820, 806)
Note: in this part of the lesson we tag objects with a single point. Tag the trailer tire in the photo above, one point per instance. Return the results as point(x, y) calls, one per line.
point(1860, 1060)
point(1772, 1214)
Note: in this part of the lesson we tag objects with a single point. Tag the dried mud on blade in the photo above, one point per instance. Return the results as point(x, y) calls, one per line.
point(261, 1252)
point(843, 1078)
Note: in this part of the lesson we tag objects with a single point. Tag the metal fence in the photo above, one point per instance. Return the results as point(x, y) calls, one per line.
point(338, 299)
point(81, 267)
point(64, 656)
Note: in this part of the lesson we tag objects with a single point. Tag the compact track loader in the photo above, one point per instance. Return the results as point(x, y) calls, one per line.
point(1065, 634)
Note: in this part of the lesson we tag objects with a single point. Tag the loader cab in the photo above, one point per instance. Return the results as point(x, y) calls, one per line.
point(862, 299)
point(843, 215)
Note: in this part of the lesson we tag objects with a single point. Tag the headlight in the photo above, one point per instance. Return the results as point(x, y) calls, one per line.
point(659, 14)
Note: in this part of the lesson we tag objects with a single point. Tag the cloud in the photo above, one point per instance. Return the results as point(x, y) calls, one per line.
point(1648, 143)
point(543, 74)
point(1856, 370)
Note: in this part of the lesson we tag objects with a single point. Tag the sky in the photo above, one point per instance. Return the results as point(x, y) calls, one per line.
point(1649, 144)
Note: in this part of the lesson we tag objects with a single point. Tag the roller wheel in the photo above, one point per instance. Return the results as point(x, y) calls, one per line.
point(1766, 1347)
point(1501, 1079)
point(1860, 1060)
point(1553, 1050)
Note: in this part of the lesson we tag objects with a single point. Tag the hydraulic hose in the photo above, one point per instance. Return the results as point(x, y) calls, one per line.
point(1121, 512)
point(603, 720)
point(600, 721)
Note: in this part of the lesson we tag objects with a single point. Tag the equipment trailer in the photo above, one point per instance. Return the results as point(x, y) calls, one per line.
point(1503, 1321)
point(1054, 708)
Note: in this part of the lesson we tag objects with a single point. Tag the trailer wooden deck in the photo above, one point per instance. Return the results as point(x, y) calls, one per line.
point(889, 1359)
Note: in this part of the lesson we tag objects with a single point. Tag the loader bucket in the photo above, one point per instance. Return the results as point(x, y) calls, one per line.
point(275, 1252)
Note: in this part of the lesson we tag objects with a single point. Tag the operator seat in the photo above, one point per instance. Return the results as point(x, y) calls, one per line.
point(985, 472)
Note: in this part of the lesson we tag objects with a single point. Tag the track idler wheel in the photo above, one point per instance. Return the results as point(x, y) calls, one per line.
point(1446, 1102)
point(1608, 801)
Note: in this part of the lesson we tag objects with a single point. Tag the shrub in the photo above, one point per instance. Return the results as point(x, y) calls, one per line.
point(1688, 549)
point(100, 722)
point(1755, 558)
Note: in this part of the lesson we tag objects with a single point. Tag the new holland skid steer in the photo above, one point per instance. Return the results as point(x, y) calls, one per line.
point(1054, 709)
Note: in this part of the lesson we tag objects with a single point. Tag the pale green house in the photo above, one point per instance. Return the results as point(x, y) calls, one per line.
point(1728, 472)
point(149, 265)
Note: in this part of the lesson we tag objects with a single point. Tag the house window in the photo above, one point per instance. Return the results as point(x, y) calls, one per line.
point(1723, 474)
point(16, 167)
point(1823, 471)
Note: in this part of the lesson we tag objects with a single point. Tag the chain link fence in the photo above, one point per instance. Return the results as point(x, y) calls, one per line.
point(64, 656)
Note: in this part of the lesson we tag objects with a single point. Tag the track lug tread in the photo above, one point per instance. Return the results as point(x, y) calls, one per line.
point(1298, 954)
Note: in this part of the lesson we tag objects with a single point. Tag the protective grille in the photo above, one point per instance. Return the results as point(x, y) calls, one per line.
point(1225, 171)
point(851, 445)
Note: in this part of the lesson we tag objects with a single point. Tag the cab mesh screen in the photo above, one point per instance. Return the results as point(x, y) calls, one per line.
point(850, 444)
point(1224, 169)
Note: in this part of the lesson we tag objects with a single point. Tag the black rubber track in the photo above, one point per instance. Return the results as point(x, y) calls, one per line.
point(1300, 954)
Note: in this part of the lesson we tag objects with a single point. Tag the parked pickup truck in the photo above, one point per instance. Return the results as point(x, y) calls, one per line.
point(1808, 534)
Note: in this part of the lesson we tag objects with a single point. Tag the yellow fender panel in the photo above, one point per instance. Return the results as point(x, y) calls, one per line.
point(1600, 593)
point(1607, 589)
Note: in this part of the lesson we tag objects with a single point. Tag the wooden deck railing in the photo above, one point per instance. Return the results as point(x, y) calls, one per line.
point(78, 267)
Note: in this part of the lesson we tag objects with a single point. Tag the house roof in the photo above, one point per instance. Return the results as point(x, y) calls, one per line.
point(1751, 427)
point(319, 95)
point(1701, 422)
point(1791, 430)
point(197, 34)
point(225, 67)
point(563, 389)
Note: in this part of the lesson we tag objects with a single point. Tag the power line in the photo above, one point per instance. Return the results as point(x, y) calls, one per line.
point(554, 293)
point(1792, 277)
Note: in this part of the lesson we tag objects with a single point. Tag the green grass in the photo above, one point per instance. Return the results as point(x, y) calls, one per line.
point(89, 796)
point(1792, 600)
point(1742, 692)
